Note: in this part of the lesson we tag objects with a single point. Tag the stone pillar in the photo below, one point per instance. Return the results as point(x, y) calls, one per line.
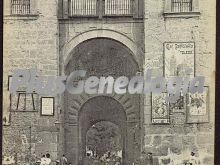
point(71, 143)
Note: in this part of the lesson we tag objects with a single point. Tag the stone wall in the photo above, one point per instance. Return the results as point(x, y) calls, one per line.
point(36, 41)
point(176, 141)
point(30, 42)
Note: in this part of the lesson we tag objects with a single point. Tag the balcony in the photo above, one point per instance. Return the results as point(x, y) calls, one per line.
point(82, 8)
point(100, 8)
point(73, 9)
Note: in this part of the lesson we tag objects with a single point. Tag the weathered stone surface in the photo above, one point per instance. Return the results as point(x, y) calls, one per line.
point(190, 129)
point(176, 129)
point(156, 129)
point(157, 140)
point(37, 43)
point(204, 139)
point(155, 161)
point(206, 127)
point(158, 151)
point(169, 139)
point(208, 160)
point(147, 140)
point(188, 140)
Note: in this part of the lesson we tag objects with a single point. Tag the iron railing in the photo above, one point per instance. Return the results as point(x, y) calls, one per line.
point(20, 7)
point(118, 7)
point(100, 7)
point(83, 7)
point(181, 5)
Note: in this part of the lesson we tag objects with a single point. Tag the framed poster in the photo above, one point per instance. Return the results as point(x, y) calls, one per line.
point(47, 106)
point(179, 57)
point(197, 107)
point(160, 109)
point(180, 105)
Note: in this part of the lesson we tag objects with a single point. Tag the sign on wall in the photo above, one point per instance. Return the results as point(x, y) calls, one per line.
point(197, 107)
point(47, 106)
point(178, 58)
point(160, 109)
point(180, 105)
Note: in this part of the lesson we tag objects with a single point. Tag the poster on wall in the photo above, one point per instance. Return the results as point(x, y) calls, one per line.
point(179, 106)
point(178, 59)
point(160, 109)
point(197, 107)
point(47, 106)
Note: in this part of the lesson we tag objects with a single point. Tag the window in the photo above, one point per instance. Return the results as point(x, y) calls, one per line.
point(100, 8)
point(116, 7)
point(181, 5)
point(82, 8)
point(181, 8)
point(20, 7)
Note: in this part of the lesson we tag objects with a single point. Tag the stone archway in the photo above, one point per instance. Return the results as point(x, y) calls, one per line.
point(67, 50)
point(101, 108)
point(102, 57)
point(102, 138)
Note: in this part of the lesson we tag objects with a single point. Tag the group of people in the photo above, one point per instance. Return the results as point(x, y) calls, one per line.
point(45, 160)
point(106, 159)
point(63, 161)
point(144, 159)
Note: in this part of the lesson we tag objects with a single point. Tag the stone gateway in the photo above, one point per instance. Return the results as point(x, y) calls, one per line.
point(109, 38)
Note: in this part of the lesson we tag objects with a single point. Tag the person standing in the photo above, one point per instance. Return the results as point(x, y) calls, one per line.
point(193, 160)
point(63, 160)
point(142, 158)
point(48, 160)
point(43, 160)
point(149, 159)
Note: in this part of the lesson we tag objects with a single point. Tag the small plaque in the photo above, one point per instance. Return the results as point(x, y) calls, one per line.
point(47, 106)
point(180, 105)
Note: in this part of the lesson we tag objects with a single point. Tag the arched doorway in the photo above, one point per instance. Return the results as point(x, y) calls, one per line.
point(104, 143)
point(101, 57)
point(97, 109)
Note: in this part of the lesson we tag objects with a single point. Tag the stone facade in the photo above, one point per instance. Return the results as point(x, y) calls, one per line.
point(46, 40)
point(31, 42)
point(178, 139)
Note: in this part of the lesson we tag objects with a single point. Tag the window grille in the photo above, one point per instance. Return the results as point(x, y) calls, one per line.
point(20, 7)
point(181, 5)
point(82, 8)
point(118, 7)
